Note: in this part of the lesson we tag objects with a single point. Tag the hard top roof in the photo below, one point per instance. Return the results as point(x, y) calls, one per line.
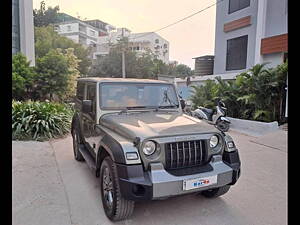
point(110, 79)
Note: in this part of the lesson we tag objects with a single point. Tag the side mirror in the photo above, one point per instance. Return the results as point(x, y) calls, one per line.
point(182, 103)
point(86, 106)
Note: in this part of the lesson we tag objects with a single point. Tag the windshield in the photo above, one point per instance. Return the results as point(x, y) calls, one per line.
point(116, 96)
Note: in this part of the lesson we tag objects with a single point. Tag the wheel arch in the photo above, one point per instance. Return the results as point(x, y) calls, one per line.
point(101, 154)
point(109, 147)
point(76, 124)
point(75, 121)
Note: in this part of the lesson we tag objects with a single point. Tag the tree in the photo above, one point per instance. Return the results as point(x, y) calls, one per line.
point(22, 77)
point(255, 94)
point(47, 39)
point(57, 73)
point(138, 65)
point(43, 17)
point(183, 70)
point(204, 95)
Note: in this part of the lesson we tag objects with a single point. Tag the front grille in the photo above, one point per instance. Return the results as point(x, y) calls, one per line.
point(185, 154)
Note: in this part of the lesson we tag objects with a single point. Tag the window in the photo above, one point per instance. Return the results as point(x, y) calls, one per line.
point(92, 44)
point(92, 33)
point(144, 95)
point(235, 5)
point(80, 90)
point(91, 95)
point(156, 41)
point(56, 28)
point(165, 45)
point(82, 40)
point(236, 57)
point(285, 57)
point(69, 28)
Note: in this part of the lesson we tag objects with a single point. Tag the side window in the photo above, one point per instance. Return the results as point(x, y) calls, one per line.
point(80, 90)
point(91, 95)
point(235, 5)
point(236, 57)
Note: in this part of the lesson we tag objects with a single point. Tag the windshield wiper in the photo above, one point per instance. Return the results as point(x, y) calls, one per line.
point(166, 98)
point(167, 106)
point(133, 107)
point(157, 108)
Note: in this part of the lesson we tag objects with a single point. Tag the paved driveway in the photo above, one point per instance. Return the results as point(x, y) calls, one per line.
point(50, 187)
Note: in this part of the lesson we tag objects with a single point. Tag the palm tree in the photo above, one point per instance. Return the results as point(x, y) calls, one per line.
point(256, 94)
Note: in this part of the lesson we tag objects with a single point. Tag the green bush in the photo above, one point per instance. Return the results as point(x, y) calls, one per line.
point(256, 94)
point(23, 77)
point(57, 74)
point(40, 120)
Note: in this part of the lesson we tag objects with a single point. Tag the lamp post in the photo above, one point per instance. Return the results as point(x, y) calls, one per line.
point(123, 58)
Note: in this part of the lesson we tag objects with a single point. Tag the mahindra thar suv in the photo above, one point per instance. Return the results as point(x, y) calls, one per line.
point(134, 136)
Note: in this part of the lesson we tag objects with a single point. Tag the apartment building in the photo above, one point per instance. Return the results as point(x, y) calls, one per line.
point(23, 29)
point(250, 32)
point(83, 32)
point(104, 28)
point(139, 42)
point(79, 32)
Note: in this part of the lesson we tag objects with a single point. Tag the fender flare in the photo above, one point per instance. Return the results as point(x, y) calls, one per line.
point(113, 148)
point(75, 122)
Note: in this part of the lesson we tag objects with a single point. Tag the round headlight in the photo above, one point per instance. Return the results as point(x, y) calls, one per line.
point(214, 141)
point(149, 148)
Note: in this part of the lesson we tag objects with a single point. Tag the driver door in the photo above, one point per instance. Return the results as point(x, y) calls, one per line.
point(89, 119)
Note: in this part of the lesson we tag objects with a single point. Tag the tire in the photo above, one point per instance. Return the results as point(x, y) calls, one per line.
point(76, 142)
point(216, 192)
point(115, 206)
point(222, 125)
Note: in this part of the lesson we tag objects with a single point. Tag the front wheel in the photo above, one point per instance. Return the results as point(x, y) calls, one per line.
point(115, 206)
point(222, 125)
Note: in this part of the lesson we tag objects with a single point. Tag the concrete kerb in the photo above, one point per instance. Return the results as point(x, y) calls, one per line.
point(254, 128)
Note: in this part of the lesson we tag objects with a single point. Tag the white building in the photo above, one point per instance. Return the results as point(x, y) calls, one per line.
point(79, 32)
point(84, 32)
point(22, 29)
point(138, 42)
point(249, 32)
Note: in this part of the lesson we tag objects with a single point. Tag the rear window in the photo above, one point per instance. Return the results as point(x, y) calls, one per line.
point(80, 90)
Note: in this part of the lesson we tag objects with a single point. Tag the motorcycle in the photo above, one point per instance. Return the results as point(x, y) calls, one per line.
point(217, 118)
point(186, 106)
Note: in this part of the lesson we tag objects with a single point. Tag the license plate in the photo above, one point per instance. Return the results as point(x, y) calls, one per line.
point(199, 182)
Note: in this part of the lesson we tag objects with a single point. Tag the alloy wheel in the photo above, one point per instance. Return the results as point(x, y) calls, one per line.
point(107, 186)
point(75, 144)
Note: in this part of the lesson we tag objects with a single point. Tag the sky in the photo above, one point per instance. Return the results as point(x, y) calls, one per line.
point(188, 39)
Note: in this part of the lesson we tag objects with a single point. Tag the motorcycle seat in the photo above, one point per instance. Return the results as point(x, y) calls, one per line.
point(206, 110)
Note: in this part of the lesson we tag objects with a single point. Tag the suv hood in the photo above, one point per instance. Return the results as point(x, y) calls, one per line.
point(155, 124)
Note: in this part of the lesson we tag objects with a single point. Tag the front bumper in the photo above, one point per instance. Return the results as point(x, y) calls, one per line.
point(135, 184)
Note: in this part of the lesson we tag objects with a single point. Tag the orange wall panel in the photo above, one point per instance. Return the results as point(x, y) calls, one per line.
point(236, 24)
point(274, 44)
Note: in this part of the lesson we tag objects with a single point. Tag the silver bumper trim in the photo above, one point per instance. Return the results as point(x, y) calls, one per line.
point(166, 184)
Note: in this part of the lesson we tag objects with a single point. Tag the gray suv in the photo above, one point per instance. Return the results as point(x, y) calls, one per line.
point(135, 137)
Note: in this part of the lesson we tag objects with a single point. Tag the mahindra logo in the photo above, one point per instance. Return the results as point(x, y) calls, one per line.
point(184, 138)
